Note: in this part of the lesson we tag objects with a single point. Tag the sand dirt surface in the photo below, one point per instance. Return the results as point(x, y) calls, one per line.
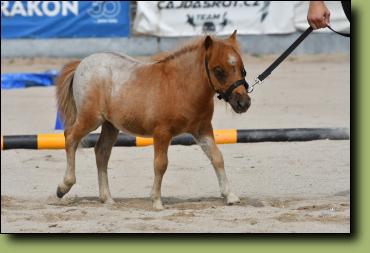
point(284, 187)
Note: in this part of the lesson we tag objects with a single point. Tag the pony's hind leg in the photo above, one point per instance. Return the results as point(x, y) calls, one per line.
point(103, 150)
point(161, 143)
point(73, 136)
point(206, 141)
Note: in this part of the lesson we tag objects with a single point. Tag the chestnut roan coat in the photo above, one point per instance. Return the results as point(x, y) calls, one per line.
point(170, 95)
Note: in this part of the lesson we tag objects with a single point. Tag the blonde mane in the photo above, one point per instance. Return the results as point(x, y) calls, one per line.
point(187, 48)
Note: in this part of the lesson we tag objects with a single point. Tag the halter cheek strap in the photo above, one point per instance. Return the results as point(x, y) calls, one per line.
point(225, 95)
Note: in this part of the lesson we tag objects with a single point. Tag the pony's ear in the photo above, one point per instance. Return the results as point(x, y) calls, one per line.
point(208, 42)
point(233, 35)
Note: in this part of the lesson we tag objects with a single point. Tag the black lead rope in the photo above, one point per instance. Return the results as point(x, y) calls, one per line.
point(284, 55)
point(340, 33)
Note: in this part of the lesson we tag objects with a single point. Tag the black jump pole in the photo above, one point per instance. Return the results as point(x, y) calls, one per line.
point(291, 134)
point(56, 141)
point(246, 136)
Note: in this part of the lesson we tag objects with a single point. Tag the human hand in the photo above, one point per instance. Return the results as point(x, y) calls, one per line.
point(318, 15)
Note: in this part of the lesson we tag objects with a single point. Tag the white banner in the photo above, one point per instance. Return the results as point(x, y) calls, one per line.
point(189, 18)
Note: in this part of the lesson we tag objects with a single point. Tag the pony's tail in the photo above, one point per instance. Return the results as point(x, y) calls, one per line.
point(64, 92)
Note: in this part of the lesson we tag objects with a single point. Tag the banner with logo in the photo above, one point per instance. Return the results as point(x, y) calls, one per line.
point(64, 19)
point(189, 18)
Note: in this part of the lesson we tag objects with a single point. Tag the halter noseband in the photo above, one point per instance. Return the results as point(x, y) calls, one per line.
point(225, 95)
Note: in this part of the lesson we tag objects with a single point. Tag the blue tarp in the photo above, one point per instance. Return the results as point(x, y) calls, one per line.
point(59, 122)
point(24, 80)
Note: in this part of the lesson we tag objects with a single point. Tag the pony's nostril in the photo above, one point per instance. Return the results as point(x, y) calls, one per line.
point(241, 104)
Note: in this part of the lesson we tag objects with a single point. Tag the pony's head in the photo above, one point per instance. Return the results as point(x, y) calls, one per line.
point(226, 72)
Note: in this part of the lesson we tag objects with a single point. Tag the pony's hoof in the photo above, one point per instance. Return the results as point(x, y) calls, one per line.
point(232, 199)
point(108, 201)
point(60, 194)
point(157, 205)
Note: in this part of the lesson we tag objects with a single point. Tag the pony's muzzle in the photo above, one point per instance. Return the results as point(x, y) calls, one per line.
point(240, 102)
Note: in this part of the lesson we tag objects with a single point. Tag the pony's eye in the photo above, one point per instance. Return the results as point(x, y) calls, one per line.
point(220, 74)
point(244, 73)
point(218, 71)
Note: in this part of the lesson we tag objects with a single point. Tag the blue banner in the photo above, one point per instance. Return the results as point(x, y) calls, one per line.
point(64, 19)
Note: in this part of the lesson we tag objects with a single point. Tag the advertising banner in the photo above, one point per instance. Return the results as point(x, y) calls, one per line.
point(64, 19)
point(189, 18)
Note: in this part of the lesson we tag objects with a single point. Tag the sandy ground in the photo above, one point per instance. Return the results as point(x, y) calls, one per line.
point(284, 187)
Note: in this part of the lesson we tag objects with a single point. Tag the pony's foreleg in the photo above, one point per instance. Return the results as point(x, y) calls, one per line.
point(206, 141)
point(103, 150)
point(161, 143)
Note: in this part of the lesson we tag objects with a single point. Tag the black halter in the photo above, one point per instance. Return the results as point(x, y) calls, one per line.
point(225, 95)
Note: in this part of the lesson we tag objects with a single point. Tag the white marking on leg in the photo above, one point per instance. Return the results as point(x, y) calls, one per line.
point(208, 146)
point(156, 192)
point(210, 149)
point(104, 192)
point(205, 142)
